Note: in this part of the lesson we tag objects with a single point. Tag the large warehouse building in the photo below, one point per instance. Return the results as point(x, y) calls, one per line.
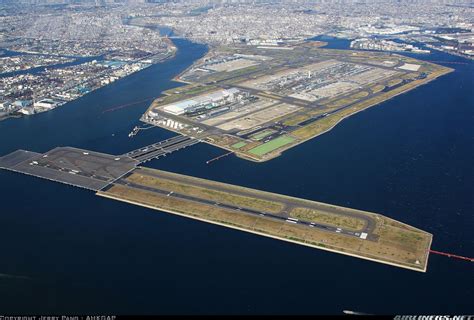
point(212, 99)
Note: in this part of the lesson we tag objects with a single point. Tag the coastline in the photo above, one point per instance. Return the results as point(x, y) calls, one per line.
point(170, 55)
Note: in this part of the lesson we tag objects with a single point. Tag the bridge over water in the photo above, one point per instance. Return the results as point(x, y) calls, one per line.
point(162, 148)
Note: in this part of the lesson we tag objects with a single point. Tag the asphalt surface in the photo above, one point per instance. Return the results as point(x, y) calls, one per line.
point(238, 209)
point(72, 166)
point(289, 204)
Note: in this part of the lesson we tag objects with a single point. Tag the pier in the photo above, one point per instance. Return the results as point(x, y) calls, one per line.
point(219, 157)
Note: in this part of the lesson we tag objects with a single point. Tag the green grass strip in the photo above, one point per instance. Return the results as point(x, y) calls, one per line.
point(271, 145)
point(239, 145)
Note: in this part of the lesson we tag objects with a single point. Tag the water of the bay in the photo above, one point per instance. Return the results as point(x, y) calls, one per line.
point(65, 250)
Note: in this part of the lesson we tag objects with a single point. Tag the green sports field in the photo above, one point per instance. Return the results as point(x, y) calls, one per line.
point(271, 145)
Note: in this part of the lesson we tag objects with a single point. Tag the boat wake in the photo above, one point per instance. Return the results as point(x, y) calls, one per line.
point(12, 276)
point(355, 313)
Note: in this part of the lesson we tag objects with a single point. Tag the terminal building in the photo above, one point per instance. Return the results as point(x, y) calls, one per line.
point(208, 101)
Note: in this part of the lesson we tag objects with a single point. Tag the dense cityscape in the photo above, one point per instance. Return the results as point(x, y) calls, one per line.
point(129, 35)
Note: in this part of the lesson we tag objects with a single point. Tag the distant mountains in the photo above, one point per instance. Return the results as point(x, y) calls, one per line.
point(58, 2)
point(105, 2)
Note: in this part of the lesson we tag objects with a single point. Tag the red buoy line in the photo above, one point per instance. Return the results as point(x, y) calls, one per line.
point(452, 62)
point(450, 255)
point(128, 105)
point(218, 157)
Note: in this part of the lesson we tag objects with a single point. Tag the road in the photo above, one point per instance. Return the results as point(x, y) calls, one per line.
point(161, 148)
